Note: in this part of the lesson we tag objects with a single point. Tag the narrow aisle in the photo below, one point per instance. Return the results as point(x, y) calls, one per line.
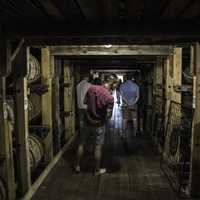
point(135, 176)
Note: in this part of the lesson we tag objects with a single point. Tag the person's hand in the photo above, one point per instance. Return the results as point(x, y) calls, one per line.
point(109, 113)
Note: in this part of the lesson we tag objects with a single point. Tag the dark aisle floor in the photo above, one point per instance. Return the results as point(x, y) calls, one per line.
point(133, 175)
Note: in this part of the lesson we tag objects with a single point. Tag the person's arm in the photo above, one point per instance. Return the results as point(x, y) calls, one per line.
point(85, 101)
point(137, 94)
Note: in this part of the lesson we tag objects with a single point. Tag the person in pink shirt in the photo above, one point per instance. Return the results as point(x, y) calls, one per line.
point(99, 103)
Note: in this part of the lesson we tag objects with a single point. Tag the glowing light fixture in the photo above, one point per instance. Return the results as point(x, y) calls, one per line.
point(108, 45)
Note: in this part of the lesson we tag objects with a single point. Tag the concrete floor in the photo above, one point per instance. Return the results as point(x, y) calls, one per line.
point(133, 173)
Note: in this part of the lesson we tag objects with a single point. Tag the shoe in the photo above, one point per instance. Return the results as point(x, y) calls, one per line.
point(77, 169)
point(100, 172)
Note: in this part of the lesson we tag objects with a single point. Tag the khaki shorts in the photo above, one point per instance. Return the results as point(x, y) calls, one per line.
point(96, 134)
point(129, 112)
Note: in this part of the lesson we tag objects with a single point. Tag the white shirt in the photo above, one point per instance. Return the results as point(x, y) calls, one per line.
point(81, 90)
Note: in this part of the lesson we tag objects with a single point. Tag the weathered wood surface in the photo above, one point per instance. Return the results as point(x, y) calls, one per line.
point(21, 128)
point(177, 73)
point(21, 121)
point(6, 143)
point(6, 146)
point(195, 154)
point(112, 50)
point(69, 101)
point(47, 102)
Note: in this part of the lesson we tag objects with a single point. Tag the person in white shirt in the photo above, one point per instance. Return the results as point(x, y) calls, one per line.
point(81, 90)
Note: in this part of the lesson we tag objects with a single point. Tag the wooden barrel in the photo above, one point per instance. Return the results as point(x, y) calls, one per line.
point(2, 191)
point(33, 69)
point(34, 106)
point(36, 151)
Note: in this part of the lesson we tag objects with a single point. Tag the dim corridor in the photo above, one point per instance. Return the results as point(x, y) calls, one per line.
point(133, 172)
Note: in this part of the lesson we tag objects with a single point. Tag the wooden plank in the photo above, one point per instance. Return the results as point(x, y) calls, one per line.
point(195, 153)
point(21, 121)
point(21, 128)
point(47, 170)
point(56, 105)
point(89, 9)
point(158, 84)
point(192, 11)
point(168, 87)
point(5, 52)
point(46, 78)
point(192, 60)
point(16, 51)
point(69, 103)
point(102, 50)
point(174, 8)
point(177, 73)
point(52, 10)
point(6, 145)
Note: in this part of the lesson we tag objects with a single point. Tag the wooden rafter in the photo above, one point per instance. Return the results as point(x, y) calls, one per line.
point(186, 7)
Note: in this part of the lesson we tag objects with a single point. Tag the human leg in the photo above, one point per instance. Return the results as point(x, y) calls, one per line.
point(79, 155)
point(135, 121)
point(83, 135)
point(100, 136)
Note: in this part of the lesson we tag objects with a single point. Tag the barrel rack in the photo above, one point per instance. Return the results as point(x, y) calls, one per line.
point(33, 139)
point(175, 112)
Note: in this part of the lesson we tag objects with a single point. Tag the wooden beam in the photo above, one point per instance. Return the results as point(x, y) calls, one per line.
point(69, 103)
point(115, 50)
point(186, 7)
point(22, 132)
point(146, 33)
point(88, 9)
point(168, 86)
point(52, 10)
point(47, 170)
point(16, 51)
point(177, 73)
point(6, 143)
point(192, 71)
point(5, 52)
point(195, 153)
point(47, 102)
point(164, 7)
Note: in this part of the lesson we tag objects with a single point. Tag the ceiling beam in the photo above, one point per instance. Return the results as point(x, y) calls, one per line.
point(81, 9)
point(114, 50)
point(164, 7)
point(186, 7)
point(91, 10)
point(62, 34)
point(52, 10)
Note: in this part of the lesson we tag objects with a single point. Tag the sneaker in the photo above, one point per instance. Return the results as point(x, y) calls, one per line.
point(100, 172)
point(77, 169)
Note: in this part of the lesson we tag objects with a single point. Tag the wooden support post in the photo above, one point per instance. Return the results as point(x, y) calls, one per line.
point(57, 124)
point(168, 86)
point(195, 151)
point(69, 103)
point(21, 121)
point(47, 102)
point(149, 99)
point(177, 73)
point(159, 84)
point(6, 148)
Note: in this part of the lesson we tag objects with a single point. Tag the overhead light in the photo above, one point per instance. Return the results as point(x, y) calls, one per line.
point(108, 45)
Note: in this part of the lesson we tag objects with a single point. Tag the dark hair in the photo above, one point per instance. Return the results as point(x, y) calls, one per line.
point(97, 81)
point(110, 78)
